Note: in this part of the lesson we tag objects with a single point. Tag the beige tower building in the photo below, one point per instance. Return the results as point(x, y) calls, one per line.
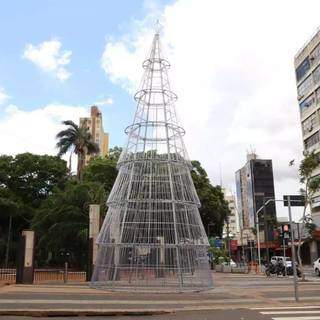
point(94, 125)
point(233, 221)
point(307, 68)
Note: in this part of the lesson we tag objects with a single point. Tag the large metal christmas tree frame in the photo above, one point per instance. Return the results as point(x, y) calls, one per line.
point(152, 236)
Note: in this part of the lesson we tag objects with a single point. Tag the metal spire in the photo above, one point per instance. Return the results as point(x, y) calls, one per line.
point(152, 236)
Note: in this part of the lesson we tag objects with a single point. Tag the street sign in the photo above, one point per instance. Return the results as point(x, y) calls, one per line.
point(218, 243)
point(295, 200)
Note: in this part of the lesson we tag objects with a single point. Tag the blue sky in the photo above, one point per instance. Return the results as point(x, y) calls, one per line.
point(80, 26)
point(232, 68)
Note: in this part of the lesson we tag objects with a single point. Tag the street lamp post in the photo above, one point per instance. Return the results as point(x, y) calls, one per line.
point(287, 202)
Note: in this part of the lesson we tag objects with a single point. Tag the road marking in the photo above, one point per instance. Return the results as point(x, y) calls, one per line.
point(297, 318)
point(292, 298)
point(280, 308)
point(291, 312)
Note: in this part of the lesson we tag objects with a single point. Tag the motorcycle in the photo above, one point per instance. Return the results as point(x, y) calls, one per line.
point(276, 269)
point(290, 271)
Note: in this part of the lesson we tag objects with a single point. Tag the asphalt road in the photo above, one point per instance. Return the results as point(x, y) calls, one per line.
point(238, 314)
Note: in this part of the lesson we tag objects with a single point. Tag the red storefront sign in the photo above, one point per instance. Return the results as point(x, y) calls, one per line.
point(233, 245)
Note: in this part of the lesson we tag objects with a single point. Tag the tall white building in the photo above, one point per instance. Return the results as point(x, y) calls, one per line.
point(307, 69)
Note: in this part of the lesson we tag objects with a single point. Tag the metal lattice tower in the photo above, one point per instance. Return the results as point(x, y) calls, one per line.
point(152, 236)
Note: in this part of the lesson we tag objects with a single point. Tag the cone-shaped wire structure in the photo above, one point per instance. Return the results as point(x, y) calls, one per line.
point(152, 236)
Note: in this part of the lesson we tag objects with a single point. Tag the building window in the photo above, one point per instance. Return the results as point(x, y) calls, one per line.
point(303, 68)
point(305, 87)
point(311, 141)
point(316, 75)
point(315, 202)
point(309, 124)
point(315, 54)
point(307, 103)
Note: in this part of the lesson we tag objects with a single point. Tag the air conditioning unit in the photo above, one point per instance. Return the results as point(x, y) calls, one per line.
point(310, 128)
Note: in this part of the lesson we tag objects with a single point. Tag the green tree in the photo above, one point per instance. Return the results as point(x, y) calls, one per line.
point(26, 180)
point(103, 170)
point(114, 154)
point(214, 209)
point(311, 186)
point(62, 223)
point(77, 140)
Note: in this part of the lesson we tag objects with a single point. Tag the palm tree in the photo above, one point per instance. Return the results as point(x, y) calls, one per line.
point(78, 140)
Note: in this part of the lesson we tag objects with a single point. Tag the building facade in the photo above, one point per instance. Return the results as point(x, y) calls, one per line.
point(95, 126)
point(232, 219)
point(307, 70)
point(254, 186)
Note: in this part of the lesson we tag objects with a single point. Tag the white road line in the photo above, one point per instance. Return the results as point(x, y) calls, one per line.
point(297, 318)
point(292, 312)
point(292, 298)
point(280, 308)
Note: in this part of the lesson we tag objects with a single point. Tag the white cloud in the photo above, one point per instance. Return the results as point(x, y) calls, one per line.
point(49, 57)
point(34, 131)
point(104, 102)
point(3, 96)
point(232, 68)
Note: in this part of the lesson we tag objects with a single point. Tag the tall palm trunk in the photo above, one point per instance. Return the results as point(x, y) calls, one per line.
point(70, 163)
point(81, 162)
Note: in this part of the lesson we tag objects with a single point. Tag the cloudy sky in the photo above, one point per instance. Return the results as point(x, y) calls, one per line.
point(232, 68)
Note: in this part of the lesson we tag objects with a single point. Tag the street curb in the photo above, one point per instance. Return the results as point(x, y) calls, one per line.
point(79, 312)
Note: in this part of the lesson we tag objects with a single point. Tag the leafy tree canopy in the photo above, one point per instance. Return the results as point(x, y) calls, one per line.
point(26, 180)
point(214, 209)
point(61, 223)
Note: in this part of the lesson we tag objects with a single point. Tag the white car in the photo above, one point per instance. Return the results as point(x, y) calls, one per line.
point(231, 263)
point(316, 267)
point(287, 260)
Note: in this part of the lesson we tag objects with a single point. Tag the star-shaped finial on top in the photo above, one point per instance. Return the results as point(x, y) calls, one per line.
point(157, 27)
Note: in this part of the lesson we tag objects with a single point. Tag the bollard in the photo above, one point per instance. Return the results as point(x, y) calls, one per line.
point(65, 274)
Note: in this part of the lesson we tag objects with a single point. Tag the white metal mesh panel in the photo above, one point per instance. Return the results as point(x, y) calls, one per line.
point(152, 236)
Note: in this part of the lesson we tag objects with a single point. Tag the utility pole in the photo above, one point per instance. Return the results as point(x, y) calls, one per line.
point(228, 239)
point(258, 239)
point(265, 223)
point(293, 252)
point(6, 260)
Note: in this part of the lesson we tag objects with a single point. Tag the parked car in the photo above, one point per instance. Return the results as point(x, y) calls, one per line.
point(280, 259)
point(316, 267)
point(231, 263)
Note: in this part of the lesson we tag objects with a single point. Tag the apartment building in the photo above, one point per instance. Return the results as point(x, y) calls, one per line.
point(307, 70)
point(95, 126)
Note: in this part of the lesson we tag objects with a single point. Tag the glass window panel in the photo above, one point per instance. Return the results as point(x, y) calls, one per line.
point(316, 75)
point(311, 141)
point(303, 68)
point(309, 124)
point(307, 103)
point(305, 87)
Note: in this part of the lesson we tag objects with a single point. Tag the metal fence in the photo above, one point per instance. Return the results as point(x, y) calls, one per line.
point(45, 276)
point(8, 275)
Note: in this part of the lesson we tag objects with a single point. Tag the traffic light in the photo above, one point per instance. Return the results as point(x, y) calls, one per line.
point(286, 231)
